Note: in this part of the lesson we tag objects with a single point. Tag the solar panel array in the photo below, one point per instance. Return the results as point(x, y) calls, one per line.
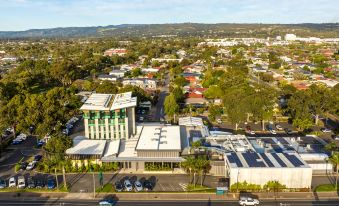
point(294, 160)
point(233, 158)
point(276, 157)
point(268, 161)
point(252, 160)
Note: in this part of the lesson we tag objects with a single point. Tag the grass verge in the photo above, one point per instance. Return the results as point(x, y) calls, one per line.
point(326, 188)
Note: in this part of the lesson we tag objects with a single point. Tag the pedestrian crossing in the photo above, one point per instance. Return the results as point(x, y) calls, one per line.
point(183, 186)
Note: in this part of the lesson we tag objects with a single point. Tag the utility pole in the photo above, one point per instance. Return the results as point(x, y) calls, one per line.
point(93, 185)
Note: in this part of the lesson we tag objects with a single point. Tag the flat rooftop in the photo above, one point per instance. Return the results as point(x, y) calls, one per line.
point(94, 147)
point(159, 137)
point(191, 121)
point(106, 102)
point(264, 160)
point(97, 102)
point(124, 100)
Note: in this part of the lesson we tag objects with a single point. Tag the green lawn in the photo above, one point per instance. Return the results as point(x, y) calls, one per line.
point(199, 188)
point(326, 188)
point(106, 188)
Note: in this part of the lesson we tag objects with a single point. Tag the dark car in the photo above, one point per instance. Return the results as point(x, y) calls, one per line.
point(37, 158)
point(2, 184)
point(118, 186)
point(39, 183)
point(148, 185)
point(31, 182)
point(40, 143)
point(23, 166)
point(288, 131)
point(51, 183)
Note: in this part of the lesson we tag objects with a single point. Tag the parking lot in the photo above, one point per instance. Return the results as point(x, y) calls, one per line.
point(162, 182)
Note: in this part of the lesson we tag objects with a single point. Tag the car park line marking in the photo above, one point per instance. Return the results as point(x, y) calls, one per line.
point(162, 188)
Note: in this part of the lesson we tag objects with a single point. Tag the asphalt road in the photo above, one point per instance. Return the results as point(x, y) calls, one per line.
point(164, 91)
point(60, 202)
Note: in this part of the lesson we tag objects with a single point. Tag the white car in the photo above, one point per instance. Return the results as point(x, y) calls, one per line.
point(279, 128)
point(22, 136)
point(273, 131)
point(30, 166)
point(128, 185)
point(138, 186)
point(244, 201)
point(21, 182)
point(326, 130)
point(12, 182)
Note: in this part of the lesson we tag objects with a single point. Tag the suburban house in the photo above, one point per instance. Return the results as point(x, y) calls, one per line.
point(117, 51)
point(144, 83)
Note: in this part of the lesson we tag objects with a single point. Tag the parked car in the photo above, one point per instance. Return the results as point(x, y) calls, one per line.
point(12, 182)
point(30, 166)
point(2, 184)
point(141, 118)
point(107, 202)
point(249, 130)
point(30, 182)
point(40, 143)
point(21, 182)
point(51, 183)
point(278, 127)
point(244, 201)
point(326, 130)
point(219, 121)
point(16, 142)
point(118, 186)
point(37, 158)
point(288, 131)
point(23, 166)
point(270, 129)
point(128, 185)
point(148, 185)
point(39, 184)
point(138, 186)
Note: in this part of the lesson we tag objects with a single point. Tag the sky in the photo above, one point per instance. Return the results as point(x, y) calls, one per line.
point(16, 15)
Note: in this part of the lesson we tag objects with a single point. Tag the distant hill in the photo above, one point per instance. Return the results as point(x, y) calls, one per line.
point(183, 29)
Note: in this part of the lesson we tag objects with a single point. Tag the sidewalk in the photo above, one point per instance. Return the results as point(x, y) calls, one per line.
point(174, 196)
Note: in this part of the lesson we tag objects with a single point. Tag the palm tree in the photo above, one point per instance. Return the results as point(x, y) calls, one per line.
point(202, 165)
point(334, 159)
point(189, 165)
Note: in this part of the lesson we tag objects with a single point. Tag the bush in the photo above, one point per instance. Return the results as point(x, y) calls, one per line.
point(244, 186)
point(274, 185)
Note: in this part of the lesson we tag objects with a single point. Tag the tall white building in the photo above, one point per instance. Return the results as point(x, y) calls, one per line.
point(108, 116)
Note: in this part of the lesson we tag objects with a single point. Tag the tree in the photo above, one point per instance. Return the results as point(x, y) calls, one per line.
point(171, 106)
point(55, 148)
point(214, 111)
point(141, 95)
point(178, 94)
point(202, 166)
point(136, 72)
point(180, 81)
point(64, 72)
point(107, 87)
point(189, 165)
point(334, 159)
point(321, 100)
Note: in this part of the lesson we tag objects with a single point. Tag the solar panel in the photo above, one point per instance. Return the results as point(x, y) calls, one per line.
point(282, 140)
point(276, 157)
point(233, 158)
point(294, 160)
point(268, 161)
point(252, 160)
